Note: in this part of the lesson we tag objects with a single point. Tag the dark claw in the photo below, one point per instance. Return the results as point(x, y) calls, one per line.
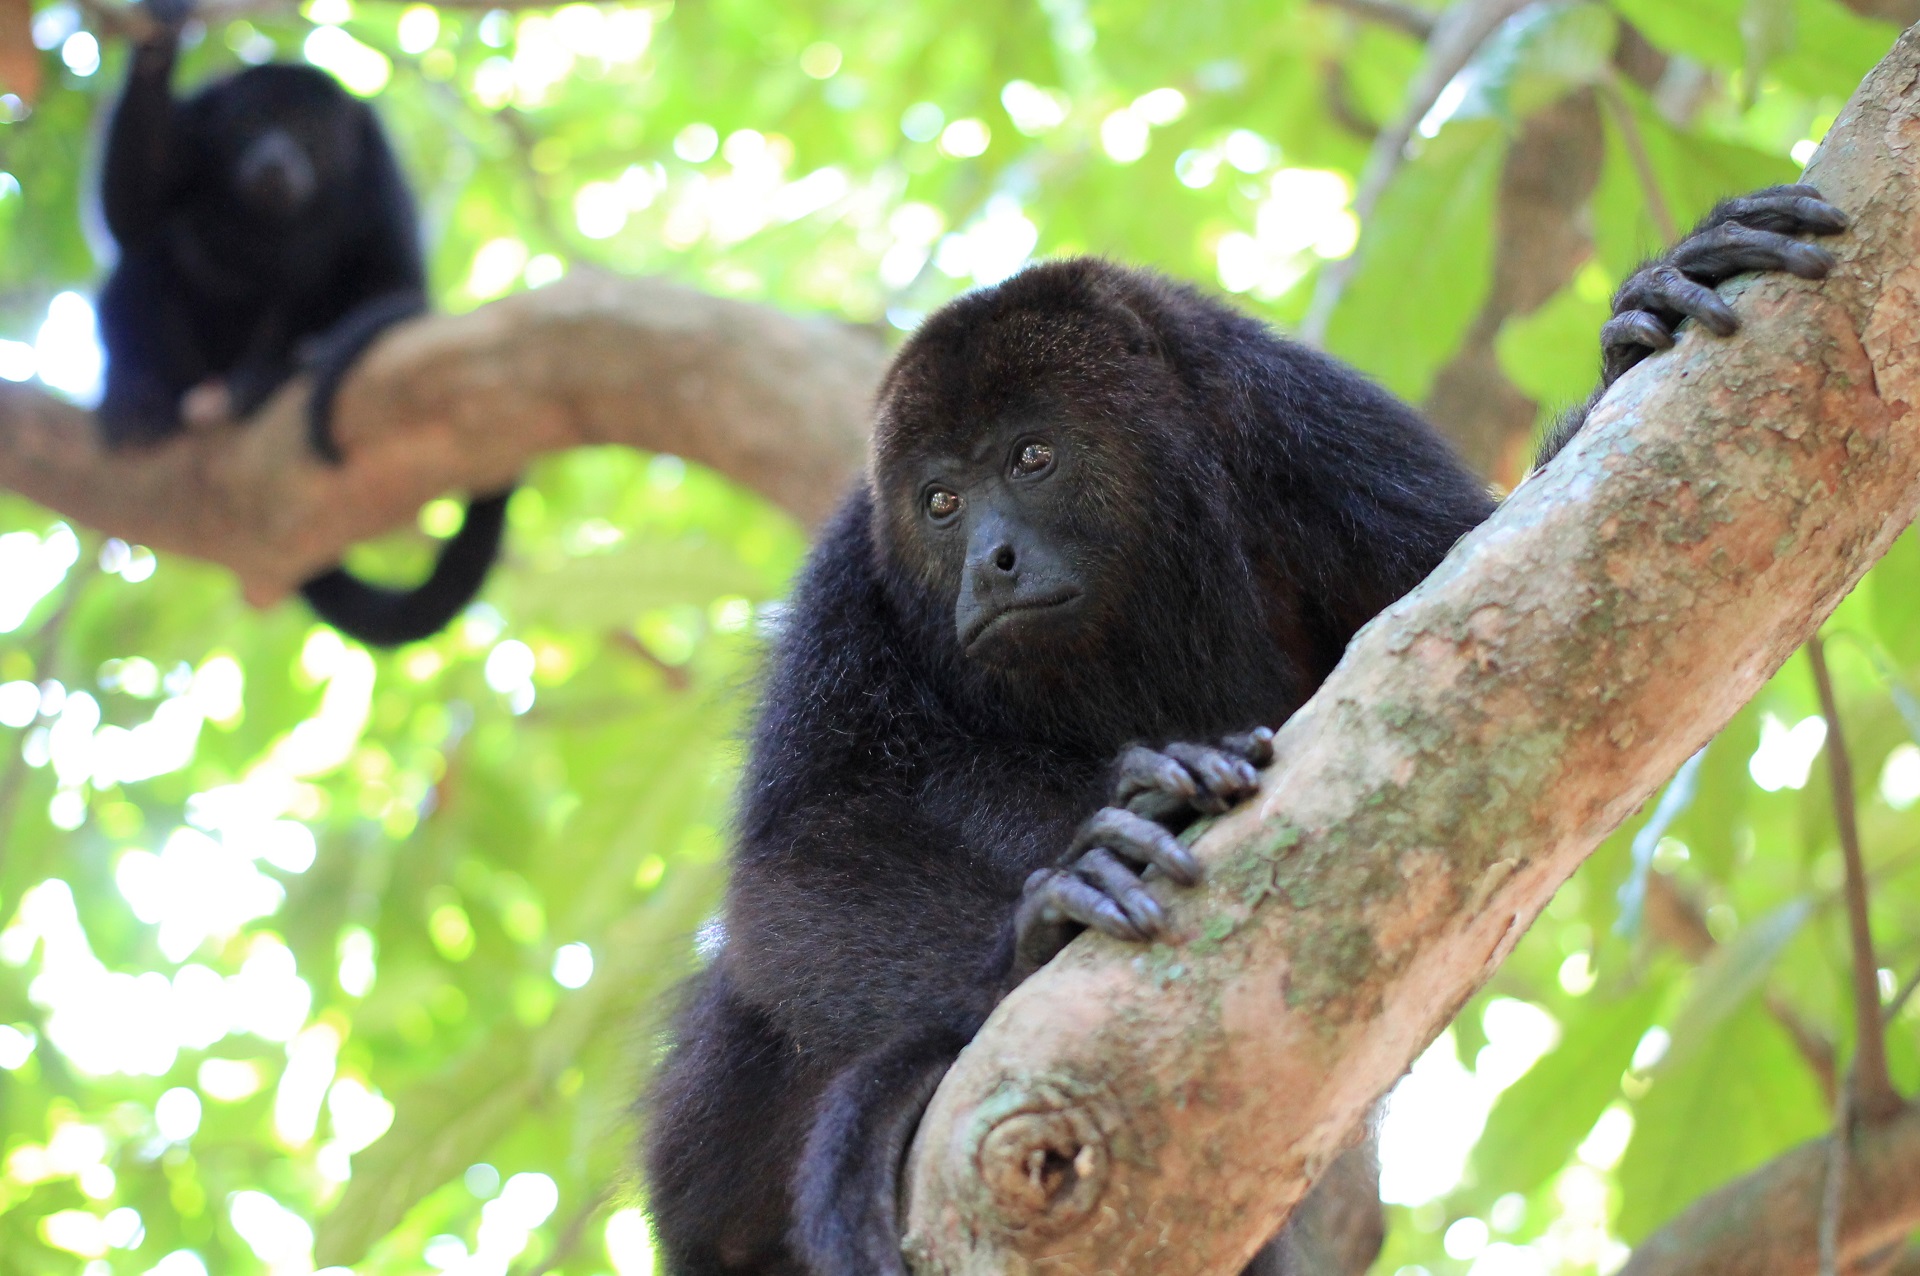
point(1256, 746)
point(1789, 210)
point(1159, 783)
point(1627, 339)
point(1663, 289)
point(1143, 770)
point(1054, 907)
point(1732, 249)
point(1224, 779)
point(1123, 886)
point(1137, 839)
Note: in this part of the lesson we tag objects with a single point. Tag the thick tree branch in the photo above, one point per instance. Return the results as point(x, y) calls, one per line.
point(463, 403)
point(1158, 1112)
point(1767, 1223)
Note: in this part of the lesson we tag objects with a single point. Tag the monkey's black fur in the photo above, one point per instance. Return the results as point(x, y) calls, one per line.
point(264, 228)
point(1103, 511)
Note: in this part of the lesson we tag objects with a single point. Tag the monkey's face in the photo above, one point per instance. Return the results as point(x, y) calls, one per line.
point(278, 138)
point(1003, 530)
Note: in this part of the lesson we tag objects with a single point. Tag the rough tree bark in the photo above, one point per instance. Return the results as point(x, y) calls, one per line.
point(464, 402)
point(1158, 1112)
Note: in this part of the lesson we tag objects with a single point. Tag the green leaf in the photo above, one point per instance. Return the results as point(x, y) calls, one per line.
point(1425, 263)
point(1553, 354)
point(609, 590)
point(1743, 1097)
point(1543, 1116)
point(1893, 592)
point(1711, 823)
point(1730, 976)
point(449, 1121)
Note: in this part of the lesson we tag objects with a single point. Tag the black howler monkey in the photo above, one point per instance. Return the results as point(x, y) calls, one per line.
point(1107, 518)
point(263, 227)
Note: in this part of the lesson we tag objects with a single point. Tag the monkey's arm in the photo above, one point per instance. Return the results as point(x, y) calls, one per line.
point(727, 1115)
point(139, 171)
point(1749, 233)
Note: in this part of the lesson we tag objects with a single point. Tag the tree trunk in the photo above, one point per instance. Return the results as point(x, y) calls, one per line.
point(1158, 1111)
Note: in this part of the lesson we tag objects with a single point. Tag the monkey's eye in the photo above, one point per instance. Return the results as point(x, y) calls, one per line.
point(942, 504)
point(1034, 458)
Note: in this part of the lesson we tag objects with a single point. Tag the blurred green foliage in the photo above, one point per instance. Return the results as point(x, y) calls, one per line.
point(312, 956)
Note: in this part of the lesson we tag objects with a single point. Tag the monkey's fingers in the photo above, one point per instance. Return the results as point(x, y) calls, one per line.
point(1663, 290)
point(1123, 886)
point(1137, 839)
point(1256, 746)
point(1716, 255)
point(1790, 210)
point(1628, 338)
point(1142, 770)
point(1223, 778)
point(1055, 906)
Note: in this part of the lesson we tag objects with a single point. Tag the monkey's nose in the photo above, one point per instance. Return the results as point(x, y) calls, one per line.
point(275, 173)
point(1004, 558)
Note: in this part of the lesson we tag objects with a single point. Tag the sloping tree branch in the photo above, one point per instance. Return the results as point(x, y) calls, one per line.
point(1158, 1112)
point(463, 403)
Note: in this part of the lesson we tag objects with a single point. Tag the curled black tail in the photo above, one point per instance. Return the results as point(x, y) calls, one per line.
point(846, 1216)
point(383, 617)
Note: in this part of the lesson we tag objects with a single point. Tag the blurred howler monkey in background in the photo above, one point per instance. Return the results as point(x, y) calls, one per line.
point(1113, 531)
point(264, 229)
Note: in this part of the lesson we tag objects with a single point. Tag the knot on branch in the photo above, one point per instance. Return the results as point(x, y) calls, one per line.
point(1044, 1159)
point(1044, 1169)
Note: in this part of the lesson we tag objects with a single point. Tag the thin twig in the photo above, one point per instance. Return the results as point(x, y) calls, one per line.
point(1636, 145)
point(1875, 1098)
point(1456, 38)
point(1834, 1195)
point(1901, 998)
point(1418, 23)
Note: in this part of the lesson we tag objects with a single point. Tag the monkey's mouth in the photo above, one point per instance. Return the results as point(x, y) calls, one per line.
point(1014, 613)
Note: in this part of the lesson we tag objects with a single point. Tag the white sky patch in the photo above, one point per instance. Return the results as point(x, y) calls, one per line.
point(992, 247)
point(277, 1236)
point(1899, 777)
point(1306, 217)
point(1786, 754)
point(1450, 100)
point(195, 889)
point(363, 69)
point(1436, 1113)
point(629, 1243)
point(31, 567)
point(311, 1058)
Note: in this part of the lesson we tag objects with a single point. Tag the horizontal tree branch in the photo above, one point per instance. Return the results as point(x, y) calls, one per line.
point(1158, 1112)
point(464, 403)
point(1768, 1222)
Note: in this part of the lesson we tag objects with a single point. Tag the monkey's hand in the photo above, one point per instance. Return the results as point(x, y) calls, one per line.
point(1751, 232)
point(1098, 885)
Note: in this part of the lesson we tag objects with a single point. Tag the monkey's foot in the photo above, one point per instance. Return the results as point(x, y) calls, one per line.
point(1099, 884)
point(1752, 232)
